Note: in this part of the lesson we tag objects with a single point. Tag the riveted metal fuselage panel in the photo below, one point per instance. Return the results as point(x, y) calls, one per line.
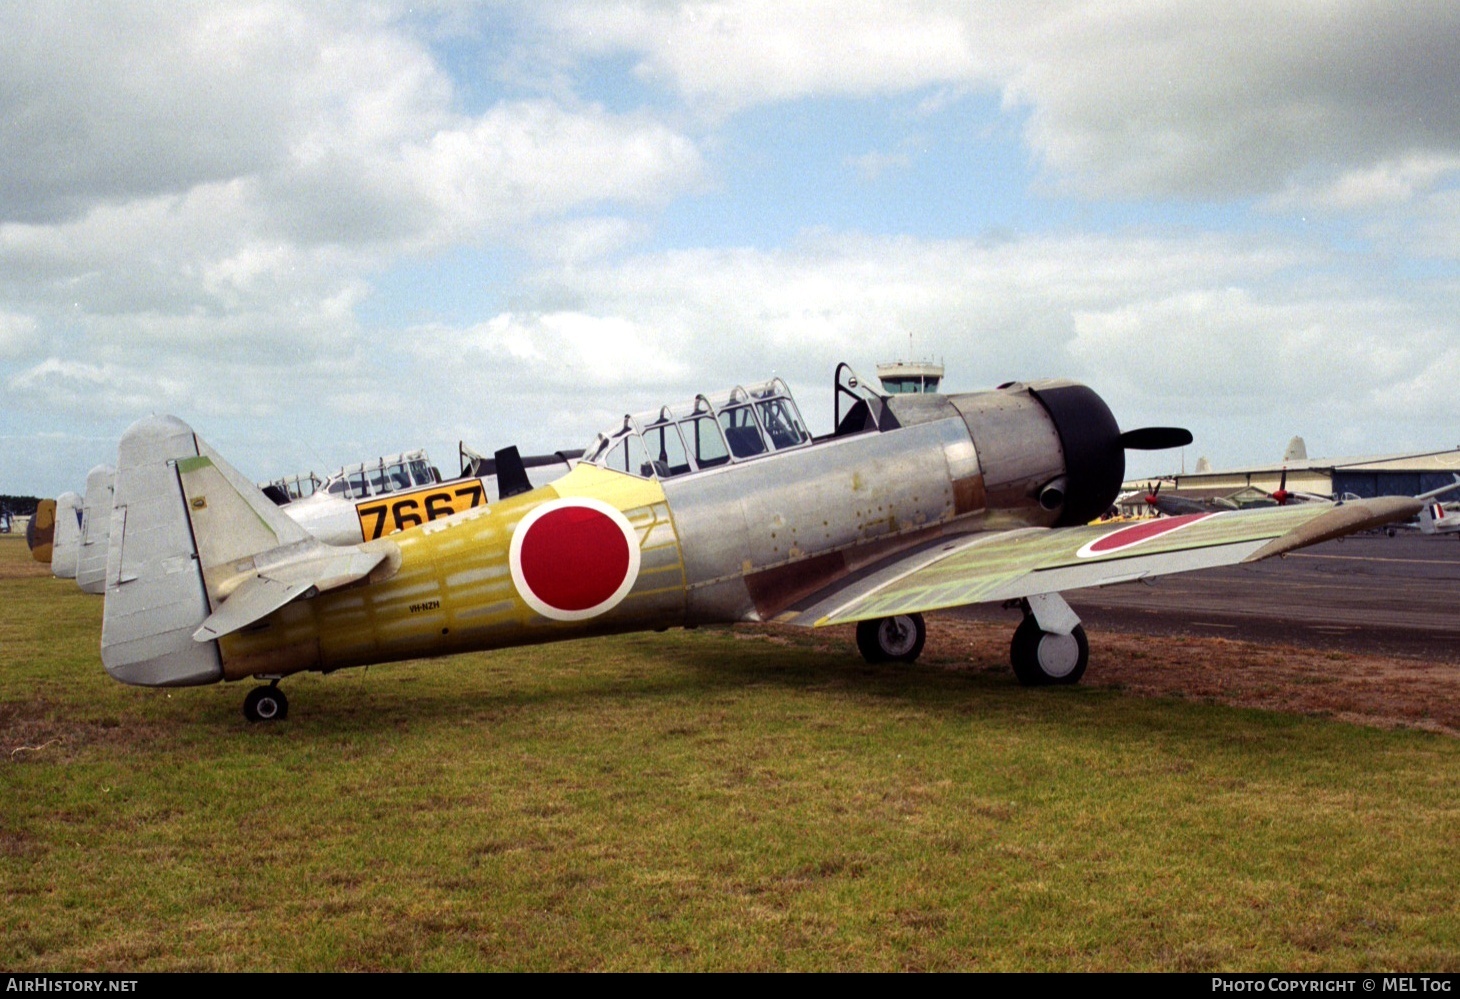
point(754, 516)
point(1019, 452)
point(455, 591)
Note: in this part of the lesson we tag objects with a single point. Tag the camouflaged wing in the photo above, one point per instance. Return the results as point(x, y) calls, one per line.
point(996, 566)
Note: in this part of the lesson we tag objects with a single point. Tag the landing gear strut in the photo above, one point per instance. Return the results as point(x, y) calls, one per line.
point(264, 704)
point(892, 639)
point(1049, 646)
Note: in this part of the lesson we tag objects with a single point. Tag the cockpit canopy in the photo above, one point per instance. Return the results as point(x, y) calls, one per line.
point(293, 487)
point(739, 425)
point(384, 475)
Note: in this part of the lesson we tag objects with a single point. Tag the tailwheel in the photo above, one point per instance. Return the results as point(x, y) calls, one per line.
point(892, 639)
point(264, 704)
point(1043, 657)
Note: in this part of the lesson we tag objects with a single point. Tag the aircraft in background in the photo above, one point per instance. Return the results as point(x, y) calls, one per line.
point(1297, 478)
point(40, 533)
point(96, 520)
point(1242, 499)
point(358, 503)
point(1434, 518)
point(376, 499)
point(66, 539)
point(722, 509)
point(71, 533)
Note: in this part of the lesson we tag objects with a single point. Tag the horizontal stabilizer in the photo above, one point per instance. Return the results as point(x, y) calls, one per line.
point(304, 569)
point(197, 552)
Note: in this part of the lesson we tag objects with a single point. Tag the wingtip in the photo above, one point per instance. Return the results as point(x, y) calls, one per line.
point(1346, 518)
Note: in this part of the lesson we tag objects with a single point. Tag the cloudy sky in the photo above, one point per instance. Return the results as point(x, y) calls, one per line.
point(322, 231)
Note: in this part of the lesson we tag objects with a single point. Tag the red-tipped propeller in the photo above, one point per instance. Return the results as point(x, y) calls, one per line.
point(1152, 493)
point(1281, 494)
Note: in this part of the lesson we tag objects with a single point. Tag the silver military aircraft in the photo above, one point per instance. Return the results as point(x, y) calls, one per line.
point(721, 509)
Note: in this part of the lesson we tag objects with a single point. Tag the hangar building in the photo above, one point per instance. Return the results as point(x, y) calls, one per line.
point(1379, 475)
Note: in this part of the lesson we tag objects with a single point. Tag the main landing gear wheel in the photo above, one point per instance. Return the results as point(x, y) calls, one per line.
point(265, 704)
point(892, 639)
point(1041, 657)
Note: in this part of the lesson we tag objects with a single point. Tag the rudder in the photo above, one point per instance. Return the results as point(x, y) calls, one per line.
point(155, 597)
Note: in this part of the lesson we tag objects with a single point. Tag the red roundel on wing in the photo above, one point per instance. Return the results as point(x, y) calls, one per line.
point(574, 558)
point(1127, 536)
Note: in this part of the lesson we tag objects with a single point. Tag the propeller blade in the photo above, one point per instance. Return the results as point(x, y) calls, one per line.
point(1155, 438)
point(1282, 495)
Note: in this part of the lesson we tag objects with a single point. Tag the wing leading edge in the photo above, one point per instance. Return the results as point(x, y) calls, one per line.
point(995, 566)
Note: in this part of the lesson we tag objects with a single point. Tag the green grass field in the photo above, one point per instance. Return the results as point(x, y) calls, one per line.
point(696, 800)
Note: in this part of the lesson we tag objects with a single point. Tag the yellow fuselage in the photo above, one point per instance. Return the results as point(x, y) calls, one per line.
point(454, 590)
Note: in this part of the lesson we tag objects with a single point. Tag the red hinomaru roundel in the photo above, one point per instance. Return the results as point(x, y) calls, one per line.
point(1129, 537)
point(572, 559)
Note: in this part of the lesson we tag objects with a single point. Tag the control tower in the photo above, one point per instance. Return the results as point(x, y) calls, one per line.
point(902, 377)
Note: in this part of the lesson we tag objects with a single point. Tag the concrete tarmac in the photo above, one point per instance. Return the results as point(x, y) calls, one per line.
point(1368, 593)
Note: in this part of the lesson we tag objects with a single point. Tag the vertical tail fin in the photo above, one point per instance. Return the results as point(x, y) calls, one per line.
point(154, 585)
point(197, 551)
point(96, 522)
point(66, 548)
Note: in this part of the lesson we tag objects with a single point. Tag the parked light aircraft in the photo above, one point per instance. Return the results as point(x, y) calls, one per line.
point(71, 533)
point(723, 509)
point(96, 518)
point(40, 532)
point(372, 500)
point(66, 543)
point(1435, 518)
point(1242, 499)
point(360, 502)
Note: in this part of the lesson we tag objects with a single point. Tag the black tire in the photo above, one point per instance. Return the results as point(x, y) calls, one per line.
point(266, 704)
point(892, 639)
point(1041, 658)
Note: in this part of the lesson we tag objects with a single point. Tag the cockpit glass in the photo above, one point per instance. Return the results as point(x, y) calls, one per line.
point(398, 477)
point(597, 448)
point(705, 440)
point(781, 423)
point(421, 473)
point(709, 431)
point(628, 455)
point(741, 431)
point(338, 487)
point(358, 489)
point(376, 477)
point(666, 450)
